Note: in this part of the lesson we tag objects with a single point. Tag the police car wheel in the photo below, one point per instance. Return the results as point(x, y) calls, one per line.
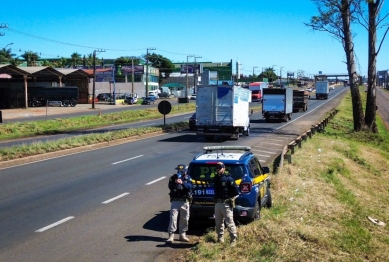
point(257, 211)
point(269, 201)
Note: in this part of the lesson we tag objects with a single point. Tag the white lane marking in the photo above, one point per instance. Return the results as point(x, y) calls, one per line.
point(128, 159)
point(54, 224)
point(114, 198)
point(156, 180)
point(149, 124)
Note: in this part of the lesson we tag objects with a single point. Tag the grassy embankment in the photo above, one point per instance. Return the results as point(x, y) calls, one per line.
point(320, 203)
point(63, 125)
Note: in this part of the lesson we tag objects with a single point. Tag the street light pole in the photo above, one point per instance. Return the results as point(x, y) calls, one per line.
point(132, 75)
point(187, 80)
point(281, 75)
point(7, 45)
point(147, 70)
point(252, 78)
point(94, 77)
point(195, 75)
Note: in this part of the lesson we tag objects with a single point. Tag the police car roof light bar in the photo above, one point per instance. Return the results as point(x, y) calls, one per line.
point(209, 149)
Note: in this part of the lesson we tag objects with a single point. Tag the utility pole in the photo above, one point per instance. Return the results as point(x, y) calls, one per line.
point(132, 71)
point(281, 75)
point(187, 79)
point(147, 70)
point(252, 78)
point(195, 75)
point(94, 76)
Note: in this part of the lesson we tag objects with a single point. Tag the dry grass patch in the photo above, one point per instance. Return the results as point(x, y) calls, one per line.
point(320, 204)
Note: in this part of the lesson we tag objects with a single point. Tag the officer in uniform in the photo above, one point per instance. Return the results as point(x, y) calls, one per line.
point(180, 185)
point(226, 191)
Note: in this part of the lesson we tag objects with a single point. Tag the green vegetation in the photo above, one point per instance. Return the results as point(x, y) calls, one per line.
point(321, 203)
point(61, 125)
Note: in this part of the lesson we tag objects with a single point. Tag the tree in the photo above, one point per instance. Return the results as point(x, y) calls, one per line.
point(127, 60)
point(371, 24)
point(269, 74)
point(30, 57)
point(164, 65)
point(75, 59)
point(335, 17)
point(6, 55)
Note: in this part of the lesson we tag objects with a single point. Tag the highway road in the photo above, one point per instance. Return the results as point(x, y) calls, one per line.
point(112, 204)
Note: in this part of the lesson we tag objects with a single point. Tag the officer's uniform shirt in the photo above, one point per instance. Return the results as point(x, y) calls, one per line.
point(187, 186)
point(225, 187)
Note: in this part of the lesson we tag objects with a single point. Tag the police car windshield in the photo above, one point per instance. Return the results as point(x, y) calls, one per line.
point(208, 172)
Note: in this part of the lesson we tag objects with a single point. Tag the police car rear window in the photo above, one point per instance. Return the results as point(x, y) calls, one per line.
point(208, 172)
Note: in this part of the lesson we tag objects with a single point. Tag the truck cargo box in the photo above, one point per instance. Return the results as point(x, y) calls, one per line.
point(222, 110)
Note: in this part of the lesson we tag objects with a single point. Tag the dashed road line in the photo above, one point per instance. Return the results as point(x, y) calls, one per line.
point(114, 198)
point(156, 180)
point(53, 225)
point(128, 159)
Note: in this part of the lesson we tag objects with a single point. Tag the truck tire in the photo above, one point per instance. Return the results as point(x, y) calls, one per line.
point(247, 132)
point(65, 103)
point(73, 103)
point(208, 138)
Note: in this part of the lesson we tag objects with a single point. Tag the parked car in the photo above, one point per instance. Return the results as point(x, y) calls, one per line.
point(131, 100)
point(149, 100)
point(253, 181)
point(104, 97)
point(192, 122)
point(164, 95)
point(192, 97)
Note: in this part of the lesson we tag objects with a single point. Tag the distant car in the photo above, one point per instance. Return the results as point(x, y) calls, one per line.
point(131, 100)
point(332, 88)
point(104, 97)
point(192, 97)
point(149, 100)
point(192, 122)
point(164, 95)
point(154, 96)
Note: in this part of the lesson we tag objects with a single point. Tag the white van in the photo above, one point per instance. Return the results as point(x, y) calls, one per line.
point(153, 93)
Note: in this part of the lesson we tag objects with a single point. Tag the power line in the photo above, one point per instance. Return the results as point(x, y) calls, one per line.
point(64, 43)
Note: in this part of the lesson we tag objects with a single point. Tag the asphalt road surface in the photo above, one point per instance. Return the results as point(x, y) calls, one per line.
point(112, 203)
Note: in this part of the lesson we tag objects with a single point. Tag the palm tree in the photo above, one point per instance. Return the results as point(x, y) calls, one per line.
point(6, 56)
point(76, 59)
point(89, 60)
point(30, 58)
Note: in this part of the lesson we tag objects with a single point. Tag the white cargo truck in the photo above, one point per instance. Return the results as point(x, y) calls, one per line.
point(222, 111)
point(277, 104)
point(322, 89)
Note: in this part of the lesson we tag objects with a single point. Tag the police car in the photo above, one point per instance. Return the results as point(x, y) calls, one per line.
point(252, 179)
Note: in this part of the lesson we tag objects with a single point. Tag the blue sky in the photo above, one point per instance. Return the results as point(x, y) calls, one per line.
point(256, 34)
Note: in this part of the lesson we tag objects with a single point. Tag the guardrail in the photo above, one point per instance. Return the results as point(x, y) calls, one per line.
point(290, 149)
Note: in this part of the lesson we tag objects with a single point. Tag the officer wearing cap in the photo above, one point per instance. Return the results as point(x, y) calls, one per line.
point(225, 191)
point(180, 185)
